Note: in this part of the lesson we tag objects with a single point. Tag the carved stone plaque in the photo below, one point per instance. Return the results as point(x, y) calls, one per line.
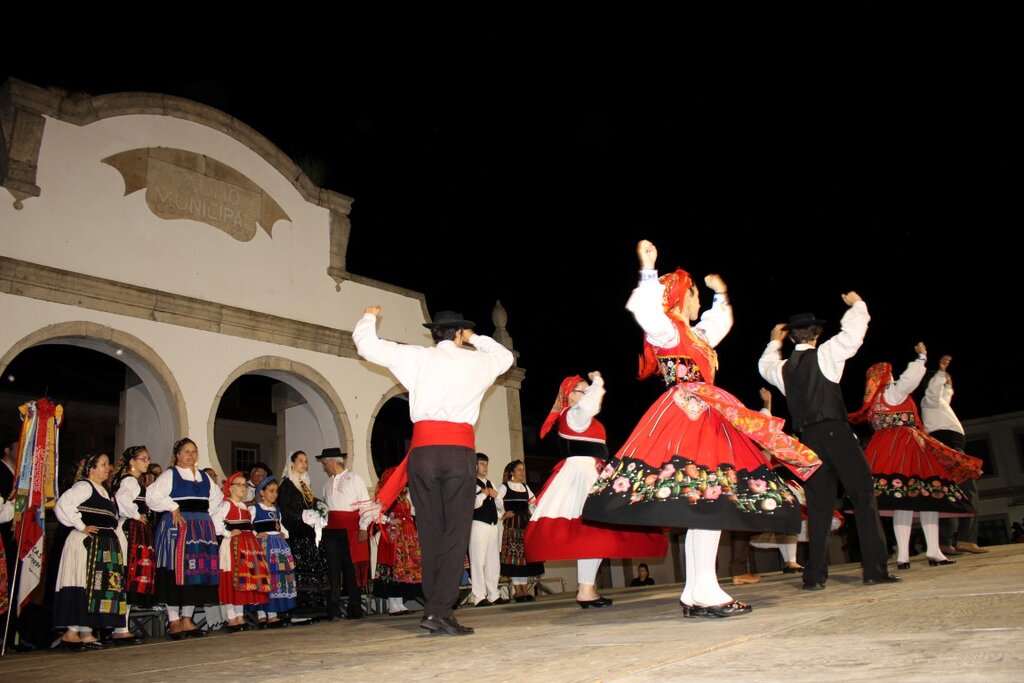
point(182, 184)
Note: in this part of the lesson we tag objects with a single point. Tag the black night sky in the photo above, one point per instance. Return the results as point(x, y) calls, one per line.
point(488, 177)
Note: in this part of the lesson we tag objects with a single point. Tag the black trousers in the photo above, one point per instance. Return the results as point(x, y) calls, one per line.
point(339, 563)
point(442, 483)
point(963, 529)
point(842, 459)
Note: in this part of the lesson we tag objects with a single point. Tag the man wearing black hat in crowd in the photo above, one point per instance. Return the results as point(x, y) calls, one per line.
point(342, 490)
point(810, 382)
point(446, 384)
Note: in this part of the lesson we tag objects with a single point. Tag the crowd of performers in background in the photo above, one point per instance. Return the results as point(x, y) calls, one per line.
point(264, 551)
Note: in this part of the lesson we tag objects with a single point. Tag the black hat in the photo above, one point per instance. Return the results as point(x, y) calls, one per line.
point(331, 453)
point(803, 320)
point(450, 319)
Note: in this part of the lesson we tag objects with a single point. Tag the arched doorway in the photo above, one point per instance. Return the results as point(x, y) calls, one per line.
point(391, 433)
point(116, 390)
point(270, 407)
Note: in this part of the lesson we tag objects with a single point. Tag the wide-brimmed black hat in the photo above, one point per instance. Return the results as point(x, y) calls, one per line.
point(331, 453)
point(450, 319)
point(803, 320)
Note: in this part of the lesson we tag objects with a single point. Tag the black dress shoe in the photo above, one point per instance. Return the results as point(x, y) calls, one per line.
point(691, 612)
point(483, 603)
point(600, 602)
point(730, 609)
point(277, 623)
point(444, 626)
point(129, 640)
point(786, 569)
point(888, 578)
point(813, 586)
point(500, 601)
point(198, 633)
point(69, 646)
point(902, 565)
point(92, 645)
point(939, 563)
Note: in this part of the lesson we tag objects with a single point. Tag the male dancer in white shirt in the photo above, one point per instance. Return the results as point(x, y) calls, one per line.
point(446, 384)
point(809, 379)
point(942, 423)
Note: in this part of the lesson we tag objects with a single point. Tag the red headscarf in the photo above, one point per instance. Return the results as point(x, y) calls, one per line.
point(677, 285)
point(561, 402)
point(879, 377)
point(226, 488)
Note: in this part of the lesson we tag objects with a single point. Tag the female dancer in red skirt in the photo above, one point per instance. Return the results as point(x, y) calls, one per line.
point(913, 473)
point(695, 459)
point(556, 530)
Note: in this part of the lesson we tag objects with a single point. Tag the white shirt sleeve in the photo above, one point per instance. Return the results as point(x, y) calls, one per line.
point(582, 414)
point(6, 512)
point(67, 505)
point(216, 495)
point(934, 393)
point(499, 502)
point(770, 365)
point(897, 392)
point(717, 320)
point(400, 359)
point(360, 494)
point(833, 354)
point(218, 516)
point(645, 305)
point(497, 357)
point(480, 496)
point(125, 497)
point(158, 494)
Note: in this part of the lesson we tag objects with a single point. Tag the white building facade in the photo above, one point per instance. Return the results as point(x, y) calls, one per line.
point(179, 240)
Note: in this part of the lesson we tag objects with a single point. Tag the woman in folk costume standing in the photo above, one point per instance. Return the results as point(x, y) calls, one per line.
point(90, 580)
point(244, 575)
point(517, 500)
point(296, 501)
point(556, 530)
point(913, 473)
point(272, 535)
point(695, 459)
point(399, 571)
point(187, 570)
point(135, 532)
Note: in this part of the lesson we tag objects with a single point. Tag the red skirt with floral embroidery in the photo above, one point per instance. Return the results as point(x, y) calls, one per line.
point(687, 465)
point(909, 472)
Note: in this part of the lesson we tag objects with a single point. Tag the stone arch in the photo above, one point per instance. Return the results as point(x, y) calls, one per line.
point(129, 349)
point(302, 378)
point(396, 390)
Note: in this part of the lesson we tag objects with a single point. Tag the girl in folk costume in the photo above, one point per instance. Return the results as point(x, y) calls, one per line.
point(90, 580)
point(695, 459)
point(913, 473)
point(297, 504)
point(135, 532)
point(556, 530)
point(272, 535)
point(518, 502)
point(244, 575)
point(399, 572)
point(187, 571)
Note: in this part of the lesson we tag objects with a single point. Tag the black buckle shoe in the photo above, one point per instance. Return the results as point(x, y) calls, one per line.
point(444, 626)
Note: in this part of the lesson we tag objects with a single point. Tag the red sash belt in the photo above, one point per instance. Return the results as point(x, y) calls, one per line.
point(425, 433)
